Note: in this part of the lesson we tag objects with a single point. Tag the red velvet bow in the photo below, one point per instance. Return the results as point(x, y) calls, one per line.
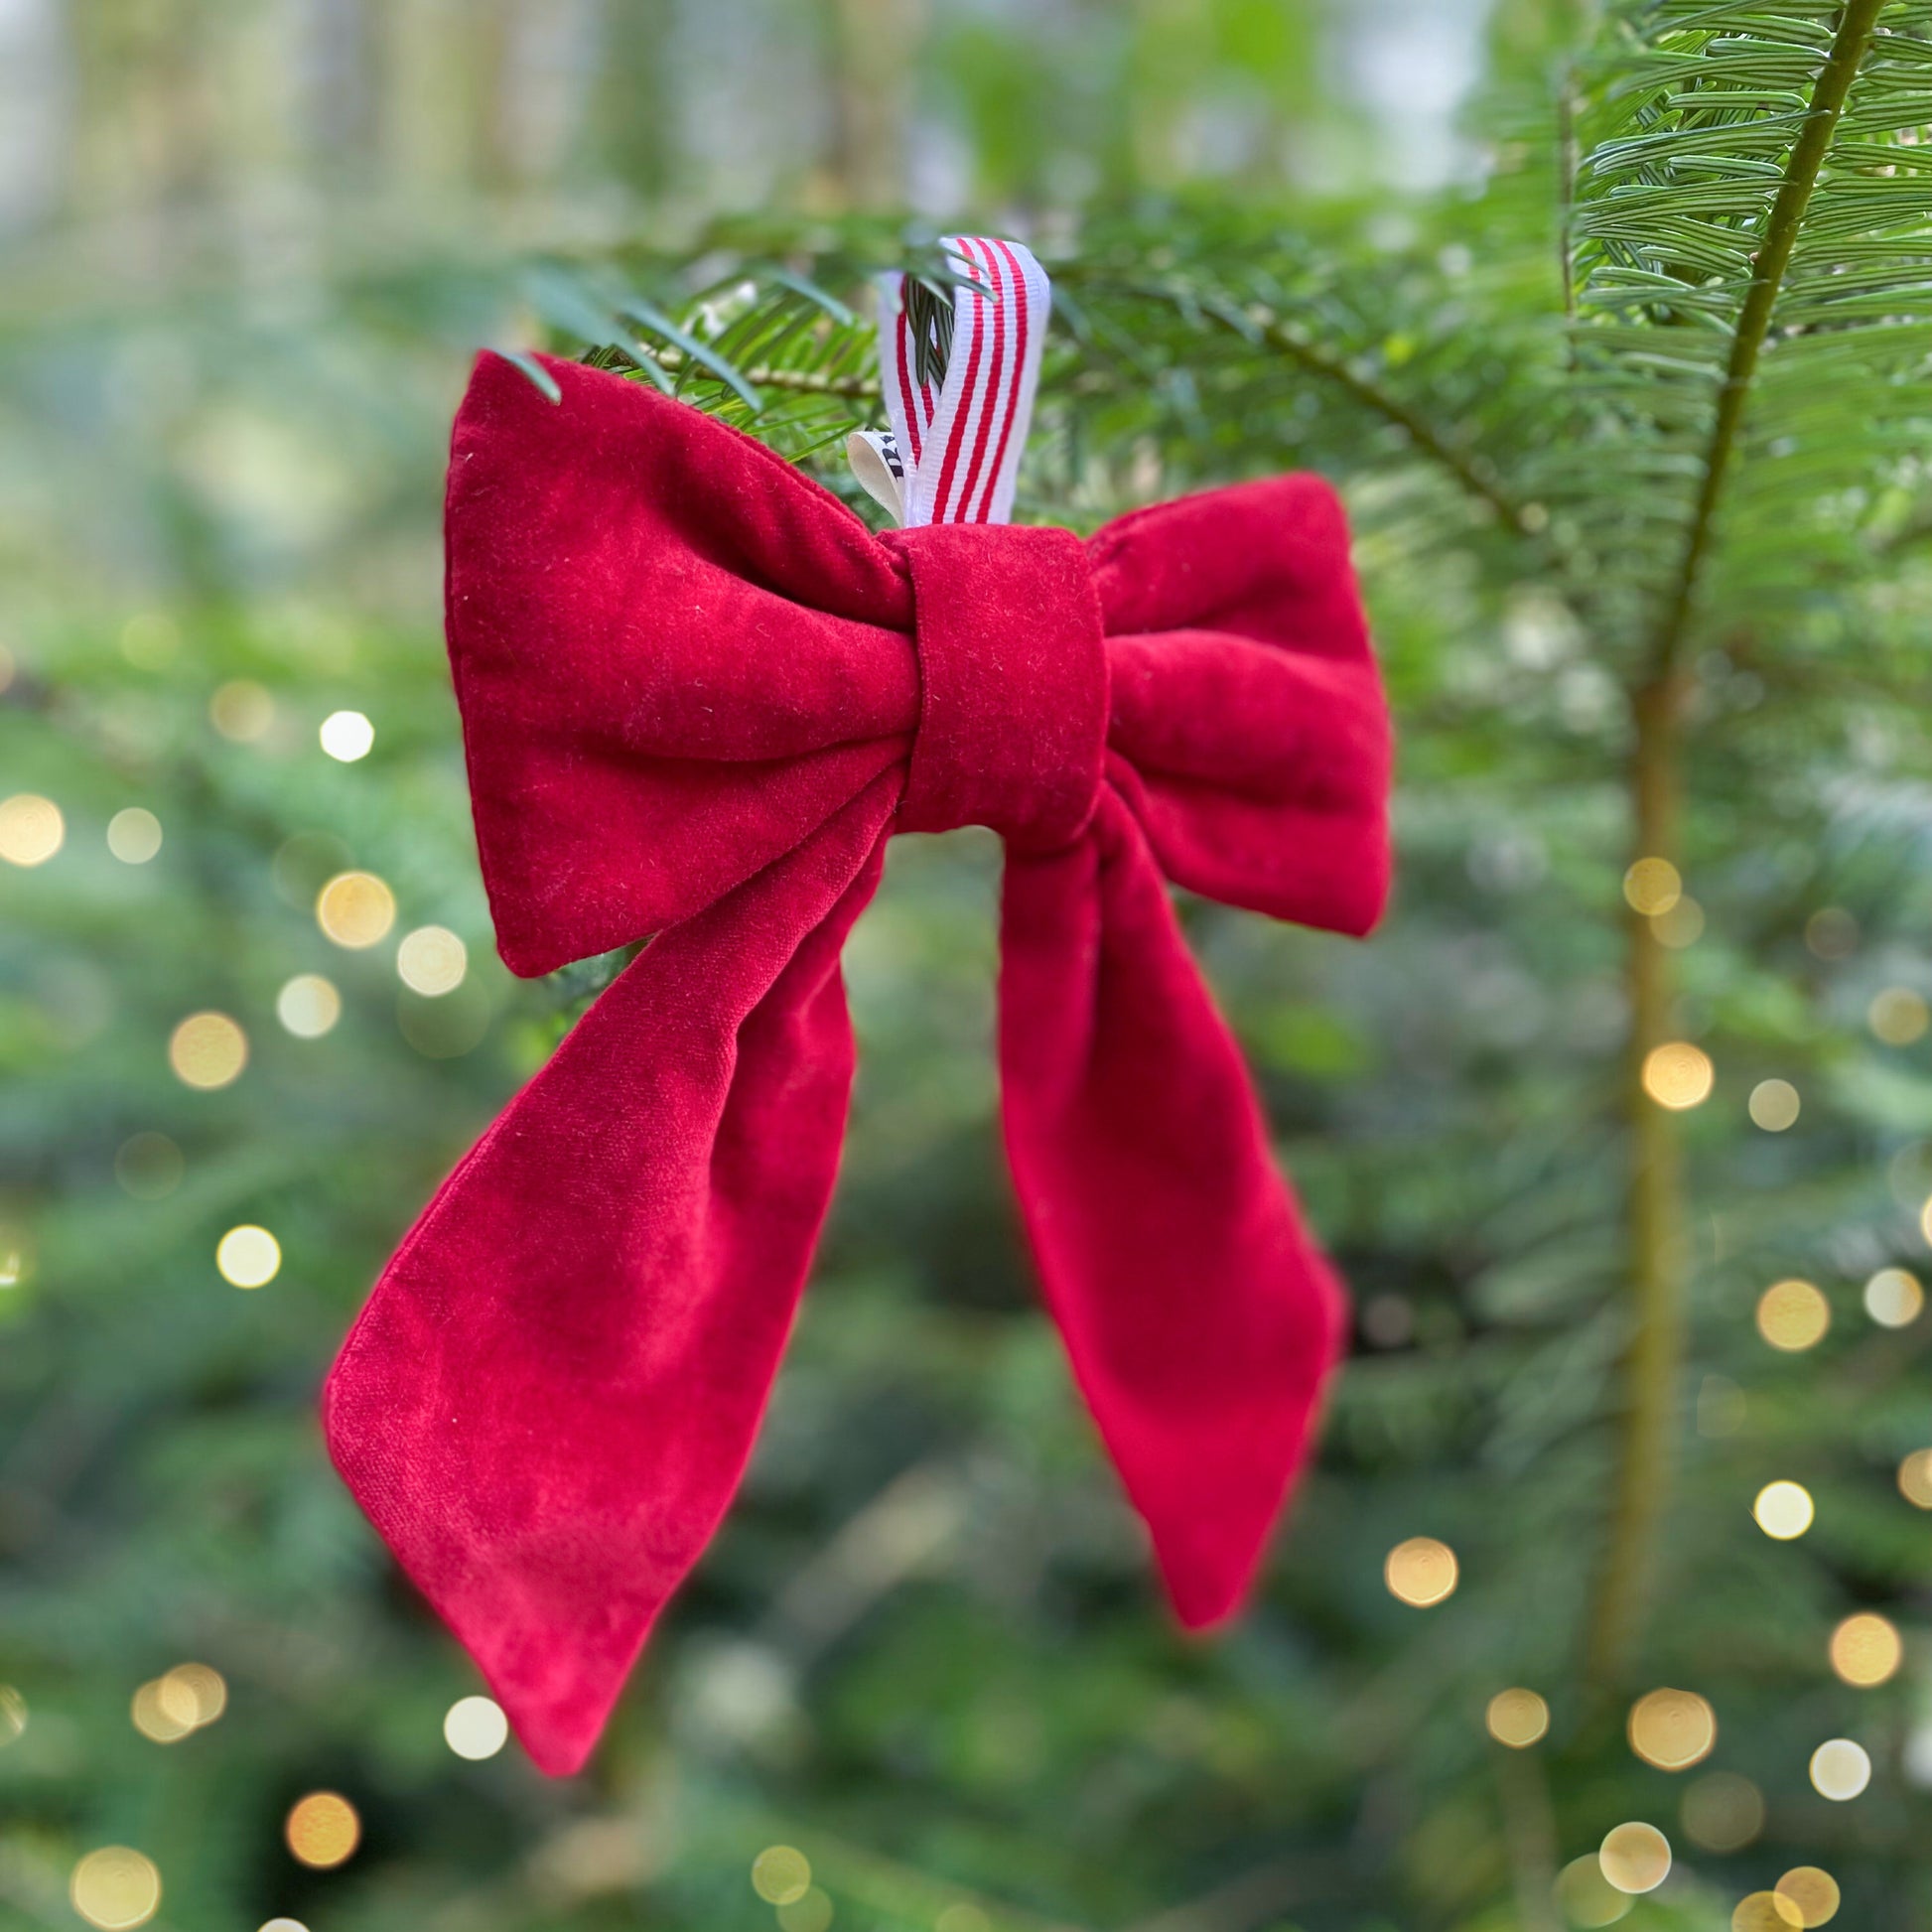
point(698, 697)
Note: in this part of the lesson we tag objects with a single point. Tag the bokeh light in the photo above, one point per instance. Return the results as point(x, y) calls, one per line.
point(1764, 1911)
point(1635, 1857)
point(812, 1912)
point(355, 909)
point(243, 712)
point(1681, 926)
point(284, 1925)
point(308, 1006)
point(1916, 1478)
point(1793, 1316)
point(346, 735)
point(1814, 1891)
point(198, 1694)
point(115, 1888)
point(476, 1727)
point(134, 835)
point(1866, 1649)
point(1677, 1075)
point(13, 1714)
point(1652, 885)
point(1898, 1016)
point(432, 962)
point(149, 1167)
point(1840, 1769)
point(207, 1051)
point(1783, 1510)
point(248, 1256)
point(1517, 1717)
point(780, 1873)
point(1894, 1297)
point(31, 829)
point(1420, 1572)
point(153, 1718)
point(1723, 1811)
point(1586, 1898)
point(1831, 934)
point(1775, 1105)
point(322, 1830)
point(1672, 1729)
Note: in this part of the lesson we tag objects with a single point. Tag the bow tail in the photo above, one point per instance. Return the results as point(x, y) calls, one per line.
point(1200, 1318)
point(552, 1395)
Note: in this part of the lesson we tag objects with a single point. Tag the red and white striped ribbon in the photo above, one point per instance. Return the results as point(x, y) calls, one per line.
point(953, 455)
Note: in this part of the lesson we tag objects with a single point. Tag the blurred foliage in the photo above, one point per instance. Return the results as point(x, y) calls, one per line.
point(926, 1650)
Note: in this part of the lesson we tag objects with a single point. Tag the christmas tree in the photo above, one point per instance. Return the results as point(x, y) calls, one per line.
point(1606, 1599)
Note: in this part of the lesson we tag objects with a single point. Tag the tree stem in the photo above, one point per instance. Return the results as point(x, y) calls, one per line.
point(1657, 1258)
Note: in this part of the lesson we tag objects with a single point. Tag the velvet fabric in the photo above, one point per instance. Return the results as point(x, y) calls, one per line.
point(698, 696)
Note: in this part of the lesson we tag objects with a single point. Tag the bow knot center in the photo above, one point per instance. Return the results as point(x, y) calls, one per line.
point(1013, 683)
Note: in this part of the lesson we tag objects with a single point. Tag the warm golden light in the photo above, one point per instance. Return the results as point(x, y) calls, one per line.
point(1840, 1769)
point(355, 909)
point(13, 1714)
point(1681, 926)
point(322, 1830)
point(284, 1925)
point(1866, 1649)
point(1635, 1857)
point(1894, 1298)
point(1652, 885)
point(1793, 1316)
point(346, 735)
point(476, 1727)
point(1672, 1729)
point(432, 962)
point(1764, 1911)
point(31, 829)
point(134, 836)
point(149, 1167)
point(1898, 1016)
point(248, 1256)
point(207, 1051)
point(781, 1874)
point(151, 1718)
point(243, 712)
point(1813, 1892)
point(1783, 1510)
point(1775, 1105)
point(1586, 1898)
point(1420, 1572)
point(1677, 1075)
point(1916, 1478)
point(1722, 1812)
point(115, 1888)
point(308, 1006)
point(811, 1913)
point(194, 1694)
point(1518, 1719)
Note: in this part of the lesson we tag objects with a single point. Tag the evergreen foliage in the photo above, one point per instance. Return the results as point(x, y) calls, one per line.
point(1633, 435)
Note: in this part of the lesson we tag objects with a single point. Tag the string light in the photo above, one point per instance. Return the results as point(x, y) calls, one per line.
point(1840, 1769)
point(1672, 1729)
point(248, 1256)
point(355, 909)
point(1793, 1316)
point(1677, 1075)
point(476, 1727)
point(115, 1888)
point(322, 1830)
point(1775, 1105)
point(1635, 1857)
point(1813, 1892)
point(1894, 1297)
point(134, 835)
point(31, 829)
point(1866, 1649)
point(308, 1006)
point(781, 1874)
point(1420, 1572)
point(207, 1051)
point(346, 735)
point(1517, 1717)
point(1898, 1016)
point(432, 962)
point(1722, 1812)
point(1783, 1510)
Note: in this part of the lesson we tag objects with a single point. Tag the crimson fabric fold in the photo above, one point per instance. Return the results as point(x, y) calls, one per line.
point(698, 697)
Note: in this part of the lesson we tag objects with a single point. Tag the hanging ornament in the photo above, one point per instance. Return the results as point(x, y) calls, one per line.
point(698, 697)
